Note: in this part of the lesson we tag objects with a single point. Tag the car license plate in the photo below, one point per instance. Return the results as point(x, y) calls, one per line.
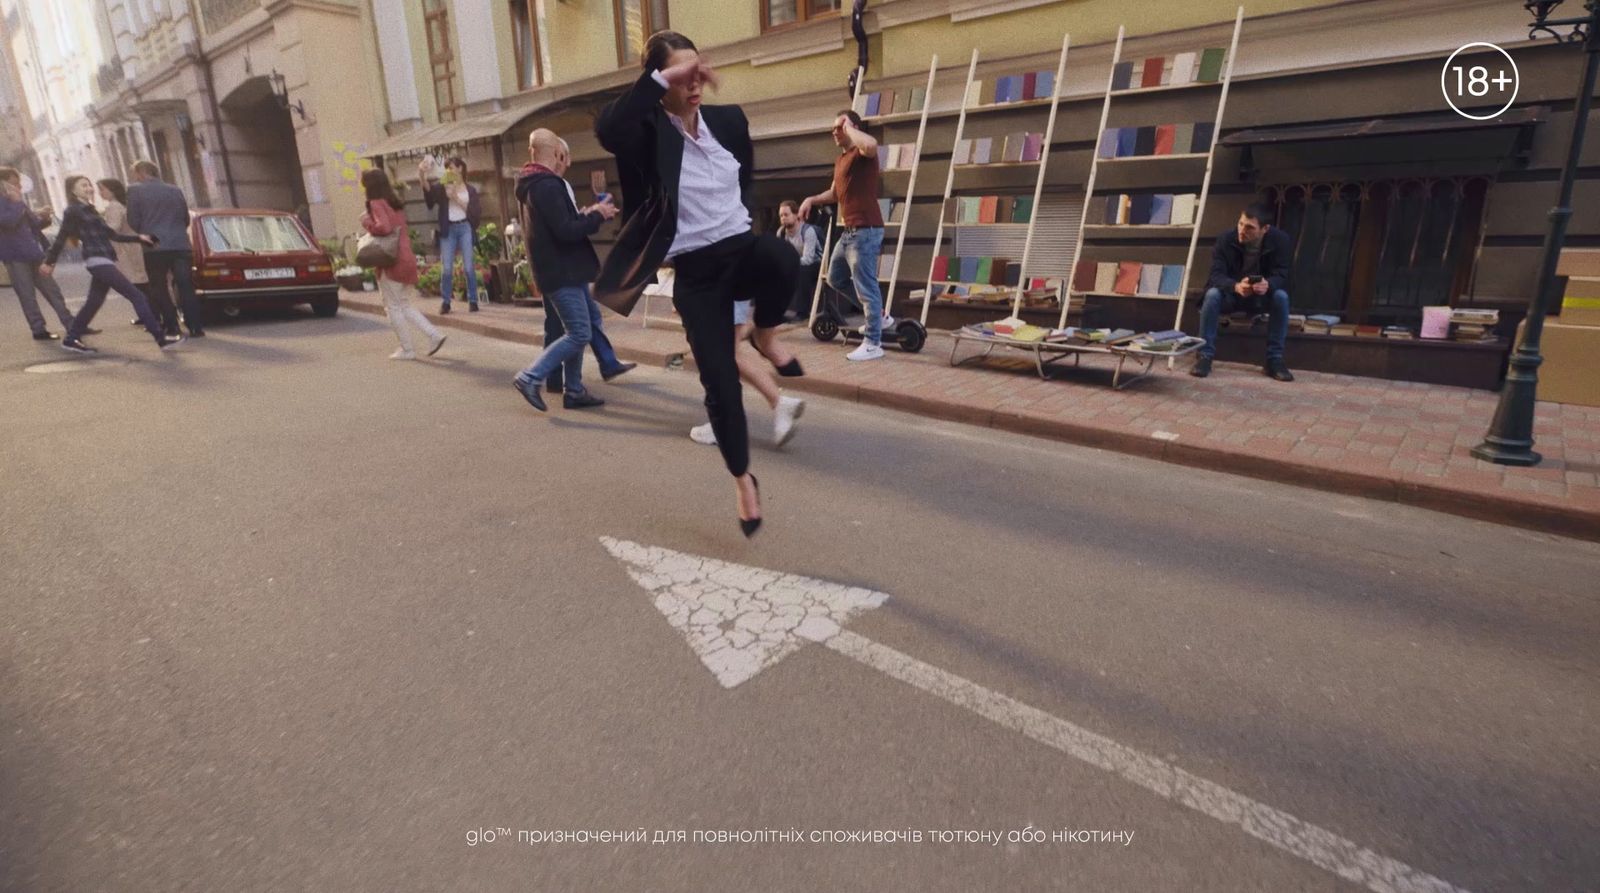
point(270, 273)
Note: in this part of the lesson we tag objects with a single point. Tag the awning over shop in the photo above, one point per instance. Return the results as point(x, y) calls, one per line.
point(477, 129)
point(1377, 127)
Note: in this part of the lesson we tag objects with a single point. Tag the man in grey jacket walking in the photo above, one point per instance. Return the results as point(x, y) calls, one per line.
point(159, 209)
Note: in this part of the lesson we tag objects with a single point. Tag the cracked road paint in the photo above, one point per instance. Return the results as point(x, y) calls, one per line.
point(740, 620)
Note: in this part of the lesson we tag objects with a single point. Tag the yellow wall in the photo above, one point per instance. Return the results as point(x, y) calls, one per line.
point(716, 23)
point(584, 39)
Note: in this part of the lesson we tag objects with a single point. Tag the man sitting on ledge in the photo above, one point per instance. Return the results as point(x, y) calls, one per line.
point(1249, 263)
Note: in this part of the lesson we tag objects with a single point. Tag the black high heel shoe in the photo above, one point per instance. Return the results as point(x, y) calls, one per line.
point(790, 369)
point(750, 527)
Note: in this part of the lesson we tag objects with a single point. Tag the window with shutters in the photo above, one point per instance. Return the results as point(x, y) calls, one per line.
point(636, 21)
point(776, 14)
point(436, 22)
point(1055, 231)
point(530, 34)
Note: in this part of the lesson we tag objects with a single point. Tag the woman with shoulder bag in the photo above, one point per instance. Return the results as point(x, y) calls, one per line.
point(397, 281)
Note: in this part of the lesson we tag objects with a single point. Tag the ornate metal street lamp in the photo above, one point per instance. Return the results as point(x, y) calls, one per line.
point(1510, 437)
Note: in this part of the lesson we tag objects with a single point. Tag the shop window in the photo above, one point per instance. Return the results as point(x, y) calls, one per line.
point(531, 32)
point(1376, 252)
point(779, 13)
point(636, 21)
point(436, 22)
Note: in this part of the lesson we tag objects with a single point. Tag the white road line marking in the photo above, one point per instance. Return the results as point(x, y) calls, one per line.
point(1299, 838)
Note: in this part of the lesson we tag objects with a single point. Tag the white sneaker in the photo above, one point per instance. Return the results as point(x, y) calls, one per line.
point(703, 434)
point(867, 351)
point(888, 323)
point(436, 342)
point(402, 354)
point(789, 411)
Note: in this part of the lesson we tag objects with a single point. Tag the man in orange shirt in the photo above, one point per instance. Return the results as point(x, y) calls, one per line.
point(854, 267)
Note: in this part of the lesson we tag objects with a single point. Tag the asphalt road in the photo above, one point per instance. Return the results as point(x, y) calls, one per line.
point(280, 614)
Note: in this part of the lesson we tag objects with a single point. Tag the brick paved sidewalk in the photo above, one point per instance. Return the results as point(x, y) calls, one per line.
point(1392, 440)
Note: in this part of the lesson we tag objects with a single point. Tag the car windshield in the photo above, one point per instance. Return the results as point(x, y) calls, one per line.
point(252, 234)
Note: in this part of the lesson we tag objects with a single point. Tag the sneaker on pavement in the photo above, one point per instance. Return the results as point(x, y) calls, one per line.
point(620, 371)
point(888, 323)
point(581, 400)
point(529, 389)
point(867, 351)
point(403, 354)
point(703, 434)
point(789, 411)
point(76, 345)
point(173, 342)
point(435, 343)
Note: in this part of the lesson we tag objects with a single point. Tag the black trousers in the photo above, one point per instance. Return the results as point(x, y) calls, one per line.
point(760, 269)
point(180, 265)
point(805, 287)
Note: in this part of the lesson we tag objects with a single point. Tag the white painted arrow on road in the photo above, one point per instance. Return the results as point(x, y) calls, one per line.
point(741, 620)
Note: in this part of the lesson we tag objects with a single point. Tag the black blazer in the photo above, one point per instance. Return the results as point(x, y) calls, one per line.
point(649, 152)
point(1227, 260)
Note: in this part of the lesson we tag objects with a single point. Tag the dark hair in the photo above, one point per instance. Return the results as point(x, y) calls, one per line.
point(378, 187)
point(10, 173)
point(148, 168)
point(661, 45)
point(456, 161)
point(72, 181)
point(1260, 213)
point(855, 119)
point(789, 203)
point(116, 188)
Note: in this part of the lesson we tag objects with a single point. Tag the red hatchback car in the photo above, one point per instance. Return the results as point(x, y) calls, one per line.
point(255, 259)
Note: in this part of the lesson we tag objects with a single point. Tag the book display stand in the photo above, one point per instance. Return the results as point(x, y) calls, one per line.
point(1178, 148)
point(1018, 150)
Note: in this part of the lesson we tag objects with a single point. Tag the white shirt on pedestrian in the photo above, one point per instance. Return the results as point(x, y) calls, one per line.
point(710, 205)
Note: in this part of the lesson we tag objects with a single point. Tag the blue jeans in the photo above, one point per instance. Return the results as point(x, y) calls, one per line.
point(1218, 302)
point(854, 271)
point(604, 353)
point(457, 240)
point(580, 317)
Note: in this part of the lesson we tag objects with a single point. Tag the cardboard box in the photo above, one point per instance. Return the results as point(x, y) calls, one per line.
point(1578, 262)
point(1580, 306)
point(1571, 369)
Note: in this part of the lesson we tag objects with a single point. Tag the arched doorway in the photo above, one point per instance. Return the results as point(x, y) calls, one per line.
point(262, 152)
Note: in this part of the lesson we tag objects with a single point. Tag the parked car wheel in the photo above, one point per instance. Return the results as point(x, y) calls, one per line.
point(325, 307)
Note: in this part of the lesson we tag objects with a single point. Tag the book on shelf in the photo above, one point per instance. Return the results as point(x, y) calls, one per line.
point(952, 209)
point(1003, 208)
point(894, 102)
point(1128, 277)
point(970, 205)
point(1124, 210)
point(963, 152)
point(1105, 277)
point(1211, 65)
point(874, 100)
point(1166, 138)
point(969, 270)
point(1343, 328)
point(1152, 71)
point(1150, 279)
point(1139, 209)
point(940, 272)
point(1014, 92)
point(1144, 142)
point(997, 93)
point(1108, 142)
point(883, 157)
point(908, 155)
point(1171, 280)
point(1033, 146)
point(1022, 209)
point(1127, 141)
point(987, 207)
point(983, 272)
point(1183, 68)
point(897, 214)
point(1398, 333)
point(1160, 210)
point(1436, 321)
point(1044, 85)
point(1203, 133)
point(1095, 211)
point(1083, 276)
point(1122, 76)
point(999, 269)
point(1030, 85)
point(982, 149)
point(1369, 331)
point(974, 93)
point(1182, 138)
point(885, 205)
point(1012, 150)
point(1183, 208)
point(919, 99)
point(1475, 315)
point(1013, 274)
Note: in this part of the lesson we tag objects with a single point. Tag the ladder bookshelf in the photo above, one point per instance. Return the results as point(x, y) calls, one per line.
point(1090, 230)
point(970, 104)
point(921, 117)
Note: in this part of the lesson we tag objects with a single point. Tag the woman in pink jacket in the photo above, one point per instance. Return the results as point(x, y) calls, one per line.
point(398, 282)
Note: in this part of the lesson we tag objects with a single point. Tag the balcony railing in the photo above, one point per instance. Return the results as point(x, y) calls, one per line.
point(219, 14)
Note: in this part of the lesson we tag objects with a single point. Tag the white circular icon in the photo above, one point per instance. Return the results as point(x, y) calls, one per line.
point(1468, 84)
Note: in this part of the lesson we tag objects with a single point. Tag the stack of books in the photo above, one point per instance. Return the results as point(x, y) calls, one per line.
point(896, 156)
point(1202, 67)
point(1398, 333)
point(1162, 342)
point(894, 102)
point(1347, 329)
point(1320, 323)
point(1160, 209)
point(1297, 322)
point(977, 270)
point(1157, 139)
point(1012, 88)
point(1468, 324)
point(975, 210)
point(1127, 278)
point(1012, 147)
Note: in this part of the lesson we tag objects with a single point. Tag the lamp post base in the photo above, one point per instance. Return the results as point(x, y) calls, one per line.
point(1491, 450)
